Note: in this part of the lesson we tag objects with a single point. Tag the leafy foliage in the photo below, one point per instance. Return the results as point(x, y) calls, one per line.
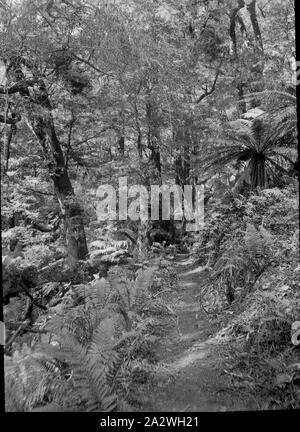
point(94, 340)
point(175, 92)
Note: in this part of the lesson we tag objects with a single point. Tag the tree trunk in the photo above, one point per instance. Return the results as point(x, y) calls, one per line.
point(242, 106)
point(257, 69)
point(121, 145)
point(139, 145)
point(183, 160)
point(153, 137)
point(232, 31)
point(11, 134)
point(39, 114)
point(70, 208)
point(256, 29)
point(138, 127)
point(121, 142)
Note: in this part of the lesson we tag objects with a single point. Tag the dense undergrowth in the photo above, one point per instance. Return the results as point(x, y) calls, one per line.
point(95, 349)
point(84, 337)
point(251, 292)
point(168, 93)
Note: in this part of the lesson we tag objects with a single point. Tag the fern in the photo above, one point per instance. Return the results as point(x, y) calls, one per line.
point(90, 369)
point(142, 284)
point(27, 381)
point(241, 263)
point(256, 146)
point(281, 114)
point(102, 326)
point(254, 241)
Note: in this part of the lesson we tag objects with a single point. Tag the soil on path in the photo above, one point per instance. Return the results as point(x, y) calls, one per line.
point(190, 377)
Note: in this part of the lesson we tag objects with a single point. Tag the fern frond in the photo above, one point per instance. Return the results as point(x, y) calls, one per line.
point(142, 285)
point(104, 339)
point(123, 288)
point(254, 242)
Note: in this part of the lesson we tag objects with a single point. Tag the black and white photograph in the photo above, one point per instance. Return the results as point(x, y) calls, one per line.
point(149, 209)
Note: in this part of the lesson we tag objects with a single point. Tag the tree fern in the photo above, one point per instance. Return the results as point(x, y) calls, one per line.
point(255, 149)
point(281, 114)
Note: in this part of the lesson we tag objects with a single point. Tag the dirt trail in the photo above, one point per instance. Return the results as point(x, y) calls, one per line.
point(190, 378)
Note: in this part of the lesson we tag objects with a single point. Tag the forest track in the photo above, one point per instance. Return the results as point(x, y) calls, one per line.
point(189, 375)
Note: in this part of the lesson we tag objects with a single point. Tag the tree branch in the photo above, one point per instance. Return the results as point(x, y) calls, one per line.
point(213, 87)
point(94, 136)
point(21, 327)
point(205, 24)
point(91, 65)
point(39, 192)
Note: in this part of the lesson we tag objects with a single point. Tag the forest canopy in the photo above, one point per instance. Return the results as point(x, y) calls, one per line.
point(160, 92)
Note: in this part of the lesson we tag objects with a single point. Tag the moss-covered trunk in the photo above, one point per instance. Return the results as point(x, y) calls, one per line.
point(39, 116)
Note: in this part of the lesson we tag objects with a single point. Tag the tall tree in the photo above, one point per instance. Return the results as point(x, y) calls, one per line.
point(26, 82)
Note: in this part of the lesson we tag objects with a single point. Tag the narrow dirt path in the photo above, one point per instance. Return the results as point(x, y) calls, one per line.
point(189, 378)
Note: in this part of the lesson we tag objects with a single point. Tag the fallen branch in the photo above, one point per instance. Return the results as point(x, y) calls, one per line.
point(21, 327)
point(40, 306)
point(39, 192)
point(17, 87)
